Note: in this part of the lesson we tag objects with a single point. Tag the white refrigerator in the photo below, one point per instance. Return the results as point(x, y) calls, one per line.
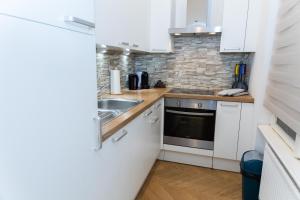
point(47, 104)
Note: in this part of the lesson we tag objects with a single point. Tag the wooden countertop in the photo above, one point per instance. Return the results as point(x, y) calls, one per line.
point(150, 96)
point(243, 99)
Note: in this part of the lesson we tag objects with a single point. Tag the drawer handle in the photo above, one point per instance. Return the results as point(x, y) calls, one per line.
point(117, 139)
point(189, 113)
point(148, 114)
point(156, 119)
point(79, 21)
point(125, 43)
point(232, 49)
point(229, 105)
point(158, 106)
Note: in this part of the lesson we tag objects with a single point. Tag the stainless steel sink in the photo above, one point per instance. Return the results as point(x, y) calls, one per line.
point(117, 104)
point(108, 109)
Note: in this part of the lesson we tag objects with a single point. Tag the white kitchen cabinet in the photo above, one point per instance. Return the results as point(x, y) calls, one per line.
point(160, 22)
point(240, 25)
point(253, 22)
point(234, 25)
point(53, 12)
point(246, 140)
point(123, 24)
point(276, 183)
point(128, 156)
point(227, 130)
point(179, 13)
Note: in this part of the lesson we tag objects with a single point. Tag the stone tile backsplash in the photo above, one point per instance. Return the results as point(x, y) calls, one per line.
point(112, 60)
point(195, 63)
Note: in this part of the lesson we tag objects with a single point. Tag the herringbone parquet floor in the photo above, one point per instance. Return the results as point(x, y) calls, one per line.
point(172, 181)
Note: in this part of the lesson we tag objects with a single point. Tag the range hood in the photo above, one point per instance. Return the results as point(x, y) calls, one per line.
point(196, 16)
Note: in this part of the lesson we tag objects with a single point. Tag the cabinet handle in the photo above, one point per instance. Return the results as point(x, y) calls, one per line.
point(125, 43)
point(135, 45)
point(99, 124)
point(79, 21)
point(189, 113)
point(155, 120)
point(229, 105)
point(232, 49)
point(117, 139)
point(158, 106)
point(148, 114)
point(159, 50)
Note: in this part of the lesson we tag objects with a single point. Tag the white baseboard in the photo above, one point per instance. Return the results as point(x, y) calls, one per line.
point(189, 150)
point(227, 165)
point(186, 158)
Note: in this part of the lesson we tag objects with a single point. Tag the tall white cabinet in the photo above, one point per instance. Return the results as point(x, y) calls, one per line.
point(49, 98)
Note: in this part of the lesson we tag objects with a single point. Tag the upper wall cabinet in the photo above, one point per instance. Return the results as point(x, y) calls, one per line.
point(240, 25)
point(74, 15)
point(123, 24)
point(134, 24)
point(160, 22)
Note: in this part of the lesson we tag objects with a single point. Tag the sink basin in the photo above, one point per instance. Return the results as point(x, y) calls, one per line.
point(118, 104)
point(108, 109)
point(107, 115)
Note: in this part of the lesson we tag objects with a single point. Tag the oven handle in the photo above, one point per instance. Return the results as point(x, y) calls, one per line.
point(190, 113)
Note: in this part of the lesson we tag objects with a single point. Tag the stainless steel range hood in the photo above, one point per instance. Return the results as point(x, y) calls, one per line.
point(197, 16)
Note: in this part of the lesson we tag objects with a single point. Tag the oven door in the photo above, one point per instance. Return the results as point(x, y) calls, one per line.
point(189, 127)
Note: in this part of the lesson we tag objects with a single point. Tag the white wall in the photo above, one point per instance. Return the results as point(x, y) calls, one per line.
point(261, 65)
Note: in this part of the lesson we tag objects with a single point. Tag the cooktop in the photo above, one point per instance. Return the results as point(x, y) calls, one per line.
point(192, 91)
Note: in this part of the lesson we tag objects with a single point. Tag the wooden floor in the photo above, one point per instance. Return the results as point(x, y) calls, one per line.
point(172, 181)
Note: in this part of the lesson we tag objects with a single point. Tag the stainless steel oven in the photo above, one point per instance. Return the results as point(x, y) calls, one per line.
point(190, 123)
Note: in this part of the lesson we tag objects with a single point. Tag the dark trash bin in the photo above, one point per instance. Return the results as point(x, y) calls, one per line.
point(251, 166)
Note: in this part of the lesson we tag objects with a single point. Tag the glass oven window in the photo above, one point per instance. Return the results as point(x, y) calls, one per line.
point(188, 123)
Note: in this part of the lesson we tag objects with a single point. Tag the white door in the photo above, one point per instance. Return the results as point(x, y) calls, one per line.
point(227, 130)
point(48, 101)
point(52, 12)
point(234, 25)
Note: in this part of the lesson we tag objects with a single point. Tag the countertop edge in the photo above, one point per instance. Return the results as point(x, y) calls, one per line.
point(115, 125)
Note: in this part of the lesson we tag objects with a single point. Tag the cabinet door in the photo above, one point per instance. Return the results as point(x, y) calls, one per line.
point(112, 23)
point(123, 166)
point(234, 25)
point(227, 130)
point(52, 12)
point(254, 13)
point(160, 22)
point(139, 24)
point(247, 130)
point(275, 182)
point(179, 13)
point(123, 24)
point(46, 142)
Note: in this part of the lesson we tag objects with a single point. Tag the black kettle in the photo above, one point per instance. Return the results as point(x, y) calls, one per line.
point(133, 81)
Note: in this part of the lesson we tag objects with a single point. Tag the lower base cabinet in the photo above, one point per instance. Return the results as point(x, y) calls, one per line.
point(128, 156)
